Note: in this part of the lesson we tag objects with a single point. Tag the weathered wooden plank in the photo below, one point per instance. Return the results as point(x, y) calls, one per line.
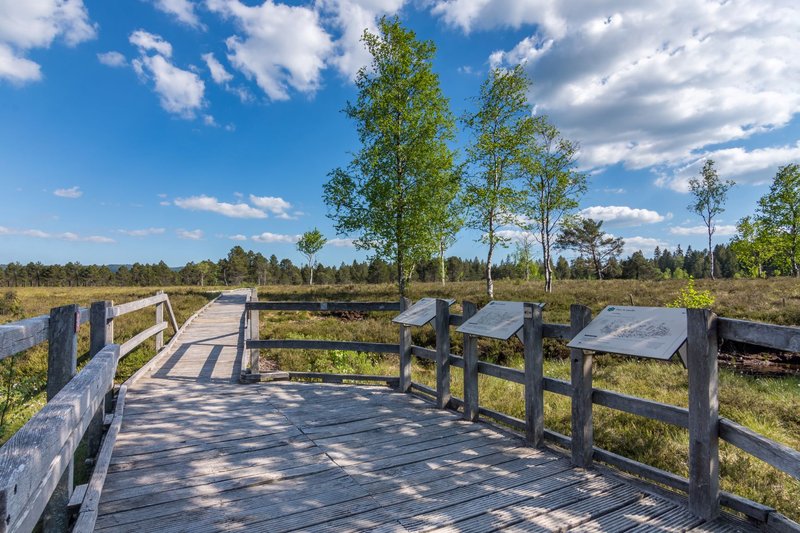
point(456, 320)
point(503, 418)
point(557, 331)
point(134, 342)
point(101, 333)
point(405, 349)
point(22, 335)
point(662, 412)
point(558, 386)
point(338, 378)
point(627, 517)
point(324, 306)
point(254, 333)
point(503, 372)
point(34, 459)
point(470, 351)
point(62, 359)
point(442, 328)
point(302, 344)
point(534, 374)
point(130, 307)
point(642, 470)
point(780, 524)
point(785, 338)
point(581, 374)
point(703, 413)
point(171, 314)
point(423, 353)
point(773, 453)
point(159, 319)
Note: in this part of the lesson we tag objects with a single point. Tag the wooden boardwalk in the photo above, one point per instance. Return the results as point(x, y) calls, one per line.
point(199, 452)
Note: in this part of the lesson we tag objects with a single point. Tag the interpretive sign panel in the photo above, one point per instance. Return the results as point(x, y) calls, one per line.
point(419, 314)
point(654, 332)
point(498, 320)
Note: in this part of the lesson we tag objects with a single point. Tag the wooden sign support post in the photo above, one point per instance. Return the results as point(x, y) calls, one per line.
point(581, 375)
point(404, 384)
point(62, 359)
point(442, 326)
point(534, 374)
point(255, 368)
point(470, 352)
point(703, 413)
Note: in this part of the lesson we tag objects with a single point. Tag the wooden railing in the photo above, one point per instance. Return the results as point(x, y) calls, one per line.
point(701, 418)
point(36, 463)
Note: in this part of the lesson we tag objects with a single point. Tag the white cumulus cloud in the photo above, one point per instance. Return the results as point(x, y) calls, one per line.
point(757, 166)
point(281, 47)
point(275, 205)
point(341, 243)
point(112, 59)
point(182, 10)
point(351, 18)
point(65, 236)
point(71, 192)
point(650, 84)
point(209, 203)
point(180, 91)
point(147, 42)
point(621, 215)
point(722, 230)
point(191, 235)
point(145, 232)
point(218, 72)
point(238, 237)
point(644, 244)
point(269, 238)
point(29, 24)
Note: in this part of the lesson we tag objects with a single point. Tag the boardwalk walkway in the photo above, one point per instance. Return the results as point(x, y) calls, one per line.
point(199, 452)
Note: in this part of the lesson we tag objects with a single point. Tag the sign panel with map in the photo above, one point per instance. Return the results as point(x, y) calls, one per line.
point(655, 332)
point(419, 314)
point(498, 320)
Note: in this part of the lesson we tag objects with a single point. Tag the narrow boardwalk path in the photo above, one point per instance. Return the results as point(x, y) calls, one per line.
point(199, 452)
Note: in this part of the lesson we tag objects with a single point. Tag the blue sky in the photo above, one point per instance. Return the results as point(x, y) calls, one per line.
point(141, 130)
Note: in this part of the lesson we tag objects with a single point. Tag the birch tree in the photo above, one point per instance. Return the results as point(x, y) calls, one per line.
point(500, 125)
point(390, 190)
point(710, 194)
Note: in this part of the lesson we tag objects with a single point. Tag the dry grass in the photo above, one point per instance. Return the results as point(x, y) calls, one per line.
point(770, 406)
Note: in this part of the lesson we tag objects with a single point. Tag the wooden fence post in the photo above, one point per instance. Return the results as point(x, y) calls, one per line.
point(101, 333)
point(581, 376)
point(470, 353)
point(255, 369)
point(159, 320)
point(62, 359)
point(442, 326)
point(404, 385)
point(534, 374)
point(703, 413)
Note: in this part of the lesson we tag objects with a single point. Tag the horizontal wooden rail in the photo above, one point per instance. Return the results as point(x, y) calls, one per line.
point(34, 459)
point(339, 378)
point(785, 338)
point(24, 334)
point(303, 344)
point(323, 306)
point(130, 307)
point(671, 414)
point(132, 343)
point(558, 386)
point(774, 453)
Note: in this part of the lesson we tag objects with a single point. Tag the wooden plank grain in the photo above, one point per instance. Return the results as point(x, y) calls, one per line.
point(785, 338)
point(442, 327)
point(130, 307)
point(22, 335)
point(773, 453)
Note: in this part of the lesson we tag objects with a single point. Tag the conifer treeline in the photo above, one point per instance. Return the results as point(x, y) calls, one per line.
point(251, 268)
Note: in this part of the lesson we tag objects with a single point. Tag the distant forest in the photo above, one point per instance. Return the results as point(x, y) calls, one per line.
point(251, 268)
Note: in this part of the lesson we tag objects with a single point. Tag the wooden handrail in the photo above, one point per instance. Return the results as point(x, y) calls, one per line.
point(323, 306)
point(35, 457)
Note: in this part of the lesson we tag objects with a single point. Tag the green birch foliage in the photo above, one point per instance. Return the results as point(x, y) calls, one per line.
point(779, 211)
point(394, 185)
point(554, 186)
point(309, 244)
point(500, 126)
point(753, 245)
point(710, 194)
